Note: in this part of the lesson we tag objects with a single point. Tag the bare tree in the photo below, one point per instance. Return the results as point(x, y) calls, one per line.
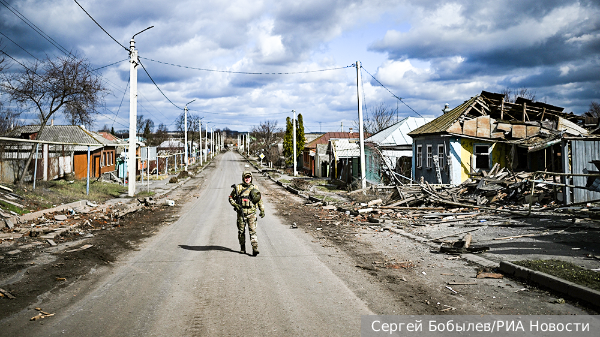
point(65, 84)
point(9, 119)
point(594, 110)
point(378, 118)
point(161, 134)
point(267, 136)
point(511, 95)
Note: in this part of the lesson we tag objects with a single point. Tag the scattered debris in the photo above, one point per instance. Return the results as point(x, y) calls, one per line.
point(452, 290)
point(489, 275)
point(7, 294)
point(84, 247)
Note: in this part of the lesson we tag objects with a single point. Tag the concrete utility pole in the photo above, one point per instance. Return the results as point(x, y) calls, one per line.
point(206, 142)
point(185, 136)
point(294, 139)
point(212, 143)
point(200, 141)
point(363, 174)
point(131, 159)
point(248, 143)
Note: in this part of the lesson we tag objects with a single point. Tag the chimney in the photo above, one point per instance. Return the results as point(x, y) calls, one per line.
point(52, 122)
point(350, 130)
point(446, 108)
point(83, 126)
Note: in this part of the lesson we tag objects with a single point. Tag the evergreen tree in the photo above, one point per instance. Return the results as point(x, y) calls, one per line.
point(112, 131)
point(300, 138)
point(288, 150)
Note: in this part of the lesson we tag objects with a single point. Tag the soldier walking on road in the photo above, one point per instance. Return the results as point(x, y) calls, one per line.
point(245, 198)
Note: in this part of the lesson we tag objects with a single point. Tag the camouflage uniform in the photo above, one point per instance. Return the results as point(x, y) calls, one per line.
point(246, 209)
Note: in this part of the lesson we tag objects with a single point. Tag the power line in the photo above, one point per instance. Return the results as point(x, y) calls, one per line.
point(35, 28)
point(400, 99)
point(25, 50)
point(104, 30)
point(108, 65)
point(244, 72)
point(157, 86)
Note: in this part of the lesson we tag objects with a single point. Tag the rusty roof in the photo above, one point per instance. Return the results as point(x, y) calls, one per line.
point(324, 139)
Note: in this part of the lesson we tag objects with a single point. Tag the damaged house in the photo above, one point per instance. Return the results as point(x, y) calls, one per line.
point(389, 152)
point(486, 132)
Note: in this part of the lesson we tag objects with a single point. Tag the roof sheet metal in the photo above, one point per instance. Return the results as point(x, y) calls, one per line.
point(63, 134)
point(397, 134)
point(324, 139)
point(442, 123)
point(345, 149)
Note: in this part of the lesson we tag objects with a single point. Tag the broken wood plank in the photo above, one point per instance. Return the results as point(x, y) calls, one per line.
point(6, 188)
point(462, 283)
point(7, 294)
point(455, 234)
point(515, 236)
point(490, 275)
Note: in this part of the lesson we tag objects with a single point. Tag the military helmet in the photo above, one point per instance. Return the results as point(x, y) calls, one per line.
point(246, 174)
point(255, 195)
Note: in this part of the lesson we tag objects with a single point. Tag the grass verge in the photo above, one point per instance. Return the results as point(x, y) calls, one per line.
point(564, 270)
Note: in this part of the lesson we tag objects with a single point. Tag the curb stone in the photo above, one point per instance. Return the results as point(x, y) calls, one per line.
point(571, 289)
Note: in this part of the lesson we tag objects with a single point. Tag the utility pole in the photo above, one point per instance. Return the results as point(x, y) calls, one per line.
point(248, 143)
point(200, 141)
point(185, 137)
point(131, 160)
point(363, 174)
point(294, 139)
point(212, 144)
point(206, 142)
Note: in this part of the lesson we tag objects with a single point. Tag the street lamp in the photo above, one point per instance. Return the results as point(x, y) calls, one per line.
point(186, 143)
point(131, 160)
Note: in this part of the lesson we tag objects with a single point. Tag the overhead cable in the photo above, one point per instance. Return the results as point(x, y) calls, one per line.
point(400, 99)
point(34, 27)
point(245, 72)
point(112, 64)
point(25, 50)
point(157, 86)
point(96, 22)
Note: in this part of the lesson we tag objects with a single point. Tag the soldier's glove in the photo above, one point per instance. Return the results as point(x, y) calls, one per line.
point(237, 207)
point(262, 214)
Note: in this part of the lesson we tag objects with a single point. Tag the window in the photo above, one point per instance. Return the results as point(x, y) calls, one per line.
point(429, 156)
point(441, 156)
point(419, 155)
point(482, 156)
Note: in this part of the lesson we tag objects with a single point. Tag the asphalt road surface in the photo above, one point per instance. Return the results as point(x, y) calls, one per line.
point(191, 280)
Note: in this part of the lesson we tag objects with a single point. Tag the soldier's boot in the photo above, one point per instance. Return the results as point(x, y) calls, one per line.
point(255, 250)
point(242, 248)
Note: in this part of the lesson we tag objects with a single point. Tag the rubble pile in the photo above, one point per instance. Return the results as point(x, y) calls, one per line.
point(53, 227)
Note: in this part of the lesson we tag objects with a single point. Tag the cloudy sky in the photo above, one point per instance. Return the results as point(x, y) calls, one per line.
point(426, 52)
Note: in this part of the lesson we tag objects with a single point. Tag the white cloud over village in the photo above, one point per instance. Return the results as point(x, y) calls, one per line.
point(427, 52)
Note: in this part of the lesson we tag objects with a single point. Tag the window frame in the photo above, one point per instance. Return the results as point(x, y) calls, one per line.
point(477, 154)
point(441, 156)
point(419, 156)
point(429, 161)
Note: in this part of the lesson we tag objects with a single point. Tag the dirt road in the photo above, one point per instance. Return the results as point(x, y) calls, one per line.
point(189, 279)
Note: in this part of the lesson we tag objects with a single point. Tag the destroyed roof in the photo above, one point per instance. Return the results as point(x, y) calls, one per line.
point(442, 123)
point(493, 105)
point(397, 134)
point(345, 149)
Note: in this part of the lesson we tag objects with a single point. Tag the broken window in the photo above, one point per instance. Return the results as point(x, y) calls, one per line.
point(482, 157)
point(441, 155)
point(429, 156)
point(419, 155)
